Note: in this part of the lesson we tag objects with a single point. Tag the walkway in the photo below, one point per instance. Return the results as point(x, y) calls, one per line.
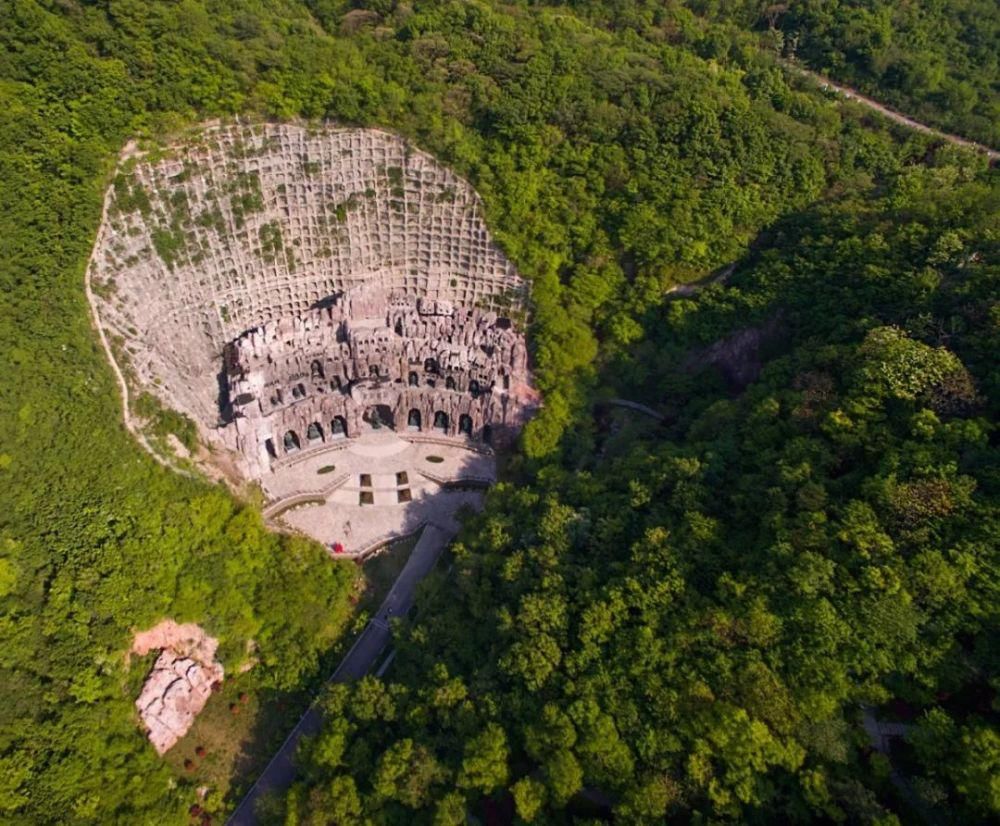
point(720, 276)
point(880, 734)
point(396, 477)
point(638, 407)
point(280, 772)
point(885, 111)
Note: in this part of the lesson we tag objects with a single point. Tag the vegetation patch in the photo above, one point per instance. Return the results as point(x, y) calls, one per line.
point(245, 197)
point(271, 243)
point(169, 244)
point(131, 196)
point(162, 421)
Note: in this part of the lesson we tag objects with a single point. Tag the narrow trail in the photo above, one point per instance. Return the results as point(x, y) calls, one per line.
point(131, 424)
point(891, 114)
point(638, 407)
point(690, 288)
point(881, 735)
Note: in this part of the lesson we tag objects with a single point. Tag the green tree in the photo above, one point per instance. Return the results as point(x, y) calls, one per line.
point(529, 797)
point(484, 762)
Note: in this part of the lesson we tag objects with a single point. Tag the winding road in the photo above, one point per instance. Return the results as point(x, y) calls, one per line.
point(891, 114)
point(280, 772)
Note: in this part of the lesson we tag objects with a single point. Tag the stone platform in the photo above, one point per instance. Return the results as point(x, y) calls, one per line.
point(383, 485)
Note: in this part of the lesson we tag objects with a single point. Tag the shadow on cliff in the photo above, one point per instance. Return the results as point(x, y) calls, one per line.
point(715, 336)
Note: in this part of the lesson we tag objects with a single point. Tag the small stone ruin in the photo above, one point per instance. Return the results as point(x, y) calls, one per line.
point(288, 287)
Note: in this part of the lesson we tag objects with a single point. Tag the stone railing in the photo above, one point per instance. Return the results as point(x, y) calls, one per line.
point(383, 542)
point(446, 441)
point(451, 482)
point(308, 452)
point(311, 451)
point(290, 500)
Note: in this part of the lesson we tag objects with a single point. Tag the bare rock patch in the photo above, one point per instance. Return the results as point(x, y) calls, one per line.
point(180, 682)
point(738, 356)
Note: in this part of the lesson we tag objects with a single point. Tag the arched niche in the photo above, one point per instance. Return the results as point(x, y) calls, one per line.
point(338, 427)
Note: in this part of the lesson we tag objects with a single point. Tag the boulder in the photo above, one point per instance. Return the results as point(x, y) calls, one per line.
point(180, 682)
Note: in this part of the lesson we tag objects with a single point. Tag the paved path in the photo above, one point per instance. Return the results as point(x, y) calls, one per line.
point(691, 287)
point(885, 111)
point(880, 735)
point(638, 407)
point(280, 772)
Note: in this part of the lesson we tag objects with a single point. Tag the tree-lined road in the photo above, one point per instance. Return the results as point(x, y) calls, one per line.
point(885, 111)
point(280, 772)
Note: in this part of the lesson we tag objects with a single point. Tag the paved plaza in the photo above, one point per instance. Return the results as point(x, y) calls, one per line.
point(362, 492)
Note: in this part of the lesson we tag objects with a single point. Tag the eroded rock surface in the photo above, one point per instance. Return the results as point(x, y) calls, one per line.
point(418, 366)
point(180, 682)
point(738, 356)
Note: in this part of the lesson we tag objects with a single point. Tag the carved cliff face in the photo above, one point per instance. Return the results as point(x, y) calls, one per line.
point(370, 361)
point(287, 287)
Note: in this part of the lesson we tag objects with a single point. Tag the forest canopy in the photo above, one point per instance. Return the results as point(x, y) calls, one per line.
point(680, 619)
point(693, 619)
point(937, 62)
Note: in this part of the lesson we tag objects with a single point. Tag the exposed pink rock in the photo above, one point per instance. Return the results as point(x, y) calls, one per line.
point(188, 639)
point(180, 682)
point(415, 364)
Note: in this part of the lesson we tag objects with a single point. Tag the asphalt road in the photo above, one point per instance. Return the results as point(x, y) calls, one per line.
point(280, 772)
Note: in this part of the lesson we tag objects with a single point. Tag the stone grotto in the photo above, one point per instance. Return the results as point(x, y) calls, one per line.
point(297, 289)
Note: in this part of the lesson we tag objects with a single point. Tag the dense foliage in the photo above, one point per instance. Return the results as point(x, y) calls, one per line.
point(686, 620)
point(821, 539)
point(96, 540)
point(936, 61)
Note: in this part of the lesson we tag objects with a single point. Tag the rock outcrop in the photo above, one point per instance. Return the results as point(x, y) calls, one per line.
point(180, 682)
point(738, 356)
